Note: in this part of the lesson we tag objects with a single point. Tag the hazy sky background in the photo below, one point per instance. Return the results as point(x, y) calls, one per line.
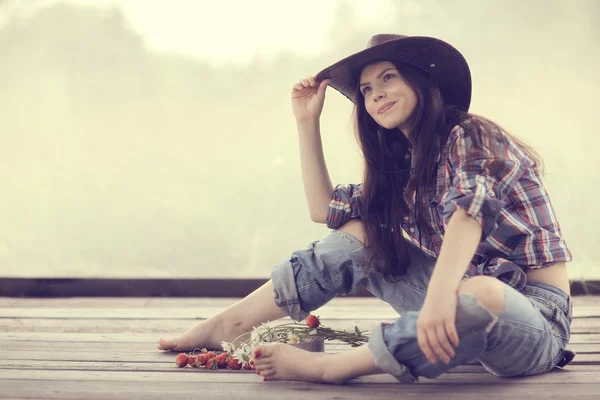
point(156, 139)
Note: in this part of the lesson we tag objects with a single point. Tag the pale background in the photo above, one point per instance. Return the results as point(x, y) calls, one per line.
point(156, 138)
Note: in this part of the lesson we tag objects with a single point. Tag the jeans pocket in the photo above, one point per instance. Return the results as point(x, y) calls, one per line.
point(561, 330)
point(548, 309)
point(548, 366)
point(558, 320)
point(552, 354)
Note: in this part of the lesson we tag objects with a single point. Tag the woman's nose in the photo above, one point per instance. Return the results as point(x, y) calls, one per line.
point(379, 93)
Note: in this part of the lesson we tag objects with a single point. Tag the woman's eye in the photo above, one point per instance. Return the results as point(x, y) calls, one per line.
point(387, 77)
point(365, 91)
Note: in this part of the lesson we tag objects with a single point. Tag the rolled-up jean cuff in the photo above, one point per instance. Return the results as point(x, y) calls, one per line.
point(285, 291)
point(385, 360)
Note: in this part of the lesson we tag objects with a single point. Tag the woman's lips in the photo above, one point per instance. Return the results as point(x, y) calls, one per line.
point(385, 107)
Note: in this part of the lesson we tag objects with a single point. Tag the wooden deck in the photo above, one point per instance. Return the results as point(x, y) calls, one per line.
point(105, 348)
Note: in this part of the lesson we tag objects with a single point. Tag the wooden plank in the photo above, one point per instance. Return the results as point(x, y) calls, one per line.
point(328, 311)
point(188, 375)
point(170, 327)
point(160, 327)
point(158, 366)
point(110, 355)
point(165, 367)
point(586, 300)
point(174, 313)
point(128, 347)
point(158, 302)
point(75, 365)
point(200, 302)
point(123, 337)
point(337, 308)
point(359, 390)
point(152, 338)
point(13, 324)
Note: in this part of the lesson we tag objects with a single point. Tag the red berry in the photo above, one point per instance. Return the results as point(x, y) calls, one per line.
point(212, 363)
point(202, 359)
point(233, 363)
point(312, 321)
point(211, 354)
point(222, 360)
point(192, 361)
point(181, 360)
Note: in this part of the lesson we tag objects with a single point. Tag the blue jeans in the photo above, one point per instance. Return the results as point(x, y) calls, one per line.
point(529, 336)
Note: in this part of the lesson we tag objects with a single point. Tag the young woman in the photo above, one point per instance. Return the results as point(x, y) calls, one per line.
point(451, 226)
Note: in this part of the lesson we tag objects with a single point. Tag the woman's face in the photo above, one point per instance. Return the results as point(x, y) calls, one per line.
point(388, 98)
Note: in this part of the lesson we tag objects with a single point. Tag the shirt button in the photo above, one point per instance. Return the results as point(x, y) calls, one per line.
point(412, 230)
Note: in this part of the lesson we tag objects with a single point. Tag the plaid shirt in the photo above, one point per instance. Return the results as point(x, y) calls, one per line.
point(519, 226)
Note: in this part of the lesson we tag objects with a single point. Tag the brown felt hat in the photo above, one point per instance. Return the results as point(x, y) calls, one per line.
point(436, 57)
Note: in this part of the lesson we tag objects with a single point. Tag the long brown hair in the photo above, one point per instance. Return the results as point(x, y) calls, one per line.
point(388, 180)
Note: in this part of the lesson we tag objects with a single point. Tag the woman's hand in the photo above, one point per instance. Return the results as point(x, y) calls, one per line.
point(308, 97)
point(436, 328)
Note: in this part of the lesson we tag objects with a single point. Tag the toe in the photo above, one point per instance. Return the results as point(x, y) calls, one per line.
point(173, 345)
point(262, 363)
point(164, 344)
point(264, 350)
point(259, 352)
point(266, 372)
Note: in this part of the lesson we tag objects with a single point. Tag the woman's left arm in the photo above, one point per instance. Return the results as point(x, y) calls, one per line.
point(481, 179)
point(436, 324)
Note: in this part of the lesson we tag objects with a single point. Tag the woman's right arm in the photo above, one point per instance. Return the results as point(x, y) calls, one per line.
point(308, 97)
point(317, 183)
point(326, 204)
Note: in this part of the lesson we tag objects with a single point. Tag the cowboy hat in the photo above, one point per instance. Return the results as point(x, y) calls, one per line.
point(436, 57)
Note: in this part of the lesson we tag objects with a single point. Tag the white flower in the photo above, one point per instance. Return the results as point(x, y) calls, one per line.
point(243, 354)
point(228, 347)
point(293, 338)
point(255, 337)
point(259, 335)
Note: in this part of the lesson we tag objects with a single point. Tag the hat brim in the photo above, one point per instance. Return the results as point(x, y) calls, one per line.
point(436, 57)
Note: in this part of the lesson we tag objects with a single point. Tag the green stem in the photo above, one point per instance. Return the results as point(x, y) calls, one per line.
point(303, 330)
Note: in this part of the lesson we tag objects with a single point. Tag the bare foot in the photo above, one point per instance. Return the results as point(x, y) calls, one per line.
point(280, 361)
point(209, 334)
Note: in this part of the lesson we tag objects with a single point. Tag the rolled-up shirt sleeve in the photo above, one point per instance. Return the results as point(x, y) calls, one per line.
point(344, 205)
point(481, 179)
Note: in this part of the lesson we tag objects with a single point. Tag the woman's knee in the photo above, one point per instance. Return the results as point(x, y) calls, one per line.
point(487, 290)
point(354, 227)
